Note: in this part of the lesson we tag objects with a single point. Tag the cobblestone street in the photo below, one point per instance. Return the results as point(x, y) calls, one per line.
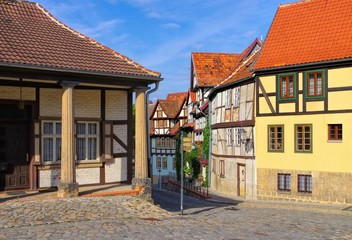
point(125, 217)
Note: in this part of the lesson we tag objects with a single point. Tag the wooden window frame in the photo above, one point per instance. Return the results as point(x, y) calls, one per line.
point(276, 142)
point(286, 183)
point(333, 132)
point(308, 185)
point(286, 77)
point(307, 85)
point(303, 126)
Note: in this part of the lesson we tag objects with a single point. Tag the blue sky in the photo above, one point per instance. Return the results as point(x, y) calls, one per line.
point(161, 34)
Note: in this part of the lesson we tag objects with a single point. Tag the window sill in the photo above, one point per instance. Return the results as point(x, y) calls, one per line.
point(284, 192)
point(334, 141)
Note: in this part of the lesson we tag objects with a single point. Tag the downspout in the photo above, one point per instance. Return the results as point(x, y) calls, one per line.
point(150, 169)
point(210, 142)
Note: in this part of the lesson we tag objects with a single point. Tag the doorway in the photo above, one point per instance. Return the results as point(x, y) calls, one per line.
point(241, 180)
point(14, 147)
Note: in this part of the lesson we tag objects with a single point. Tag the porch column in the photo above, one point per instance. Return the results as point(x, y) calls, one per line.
point(141, 179)
point(68, 186)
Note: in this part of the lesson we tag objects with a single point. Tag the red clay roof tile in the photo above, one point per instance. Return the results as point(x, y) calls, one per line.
point(308, 31)
point(211, 68)
point(30, 35)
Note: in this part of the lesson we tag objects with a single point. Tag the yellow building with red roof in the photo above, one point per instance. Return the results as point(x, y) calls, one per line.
point(303, 107)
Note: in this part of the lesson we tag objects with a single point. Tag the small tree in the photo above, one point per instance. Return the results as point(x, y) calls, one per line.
point(205, 149)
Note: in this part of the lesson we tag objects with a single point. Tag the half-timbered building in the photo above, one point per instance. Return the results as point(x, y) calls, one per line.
point(233, 167)
point(207, 70)
point(167, 117)
point(65, 105)
point(303, 104)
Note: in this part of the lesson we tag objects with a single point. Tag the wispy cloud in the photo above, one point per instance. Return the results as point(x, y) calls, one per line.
point(99, 29)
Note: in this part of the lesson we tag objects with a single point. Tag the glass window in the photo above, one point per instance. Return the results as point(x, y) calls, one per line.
point(87, 141)
point(303, 138)
point(335, 132)
point(228, 98)
point(315, 84)
point(284, 182)
point(164, 163)
point(276, 138)
point(287, 86)
point(237, 97)
point(305, 183)
point(229, 136)
point(237, 136)
point(51, 137)
point(158, 162)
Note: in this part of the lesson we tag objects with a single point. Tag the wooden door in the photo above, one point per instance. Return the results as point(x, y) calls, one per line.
point(14, 155)
point(241, 180)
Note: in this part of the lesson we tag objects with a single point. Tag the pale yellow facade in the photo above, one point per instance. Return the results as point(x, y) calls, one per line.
point(328, 162)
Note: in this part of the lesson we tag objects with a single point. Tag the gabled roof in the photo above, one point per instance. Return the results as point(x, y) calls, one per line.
point(211, 68)
point(172, 105)
point(31, 36)
point(309, 31)
point(178, 97)
point(244, 65)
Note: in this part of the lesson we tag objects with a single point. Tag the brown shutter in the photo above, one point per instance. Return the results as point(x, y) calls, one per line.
point(107, 141)
point(37, 142)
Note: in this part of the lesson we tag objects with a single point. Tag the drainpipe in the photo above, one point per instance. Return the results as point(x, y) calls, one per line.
point(210, 142)
point(150, 169)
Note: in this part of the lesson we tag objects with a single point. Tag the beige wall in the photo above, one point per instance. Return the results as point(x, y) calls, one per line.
point(326, 186)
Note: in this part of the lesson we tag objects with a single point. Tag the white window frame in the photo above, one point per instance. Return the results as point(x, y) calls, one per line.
point(236, 96)
point(88, 136)
point(228, 99)
point(55, 137)
point(229, 136)
point(237, 141)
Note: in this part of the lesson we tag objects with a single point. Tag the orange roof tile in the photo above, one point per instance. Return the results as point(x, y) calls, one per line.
point(308, 31)
point(211, 68)
point(243, 67)
point(31, 36)
point(179, 97)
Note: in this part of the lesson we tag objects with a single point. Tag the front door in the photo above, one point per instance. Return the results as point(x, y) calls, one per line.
point(241, 180)
point(14, 155)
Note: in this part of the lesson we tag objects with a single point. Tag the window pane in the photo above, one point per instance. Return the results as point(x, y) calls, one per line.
point(311, 84)
point(81, 148)
point(92, 128)
point(48, 149)
point(58, 128)
point(319, 84)
point(81, 128)
point(58, 148)
point(48, 128)
point(92, 148)
point(284, 91)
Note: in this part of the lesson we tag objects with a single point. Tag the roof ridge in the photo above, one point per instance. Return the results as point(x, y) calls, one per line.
point(237, 69)
point(295, 3)
point(218, 53)
point(92, 41)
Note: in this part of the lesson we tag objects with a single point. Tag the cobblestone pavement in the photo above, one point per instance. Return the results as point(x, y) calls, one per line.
point(125, 217)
